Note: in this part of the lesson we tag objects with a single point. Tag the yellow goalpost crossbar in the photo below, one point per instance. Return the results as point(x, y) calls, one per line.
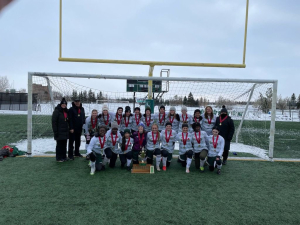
point(152, 63)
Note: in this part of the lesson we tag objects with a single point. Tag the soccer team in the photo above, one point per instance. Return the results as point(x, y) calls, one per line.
point(108, 135)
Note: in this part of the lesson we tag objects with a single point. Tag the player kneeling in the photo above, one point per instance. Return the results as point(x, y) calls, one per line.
point(97, 147)
point(168, 138)
point(185, 147)
point(216, 148)
point(126, 147)
point(201, 145)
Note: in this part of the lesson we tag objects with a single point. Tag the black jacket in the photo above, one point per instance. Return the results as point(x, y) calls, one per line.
point(76, 120)
point(226, 129)
point(60, 125)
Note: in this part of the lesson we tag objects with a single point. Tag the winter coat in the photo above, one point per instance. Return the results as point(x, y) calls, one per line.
point(226, 129)
point(136, 145)
point(60, 124)
point(76, 120)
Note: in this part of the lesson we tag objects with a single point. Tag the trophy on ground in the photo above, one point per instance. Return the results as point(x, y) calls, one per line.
point(142, 167)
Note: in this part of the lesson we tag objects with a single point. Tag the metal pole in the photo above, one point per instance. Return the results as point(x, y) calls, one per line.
point(60, 27)
point(50, 93)
point(29, 116)
point(151, 63)
point(133, 101)
point(150, 82)
point(243, 117)
point(245, 34)
point(122, 77)
point(273, 116)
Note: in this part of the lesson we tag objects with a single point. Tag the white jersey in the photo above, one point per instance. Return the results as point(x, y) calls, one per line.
point(150, 144)
point(130, 143)
point(95, 145)
point(136, 119)
point(106, 120)
point(203, 143)
point(160, 119)
point(126, 123)
point(184, 119)
point(183, 147)
point(169, 146)
point(113, 141)
point(148, 121)
point(218, 149)
point(192, 121)
point(208, 124)
point(173, 121)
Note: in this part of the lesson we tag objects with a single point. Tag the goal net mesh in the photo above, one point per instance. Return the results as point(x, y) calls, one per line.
point(195, 95)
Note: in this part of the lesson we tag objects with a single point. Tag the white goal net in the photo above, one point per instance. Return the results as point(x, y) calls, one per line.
point(249, 102)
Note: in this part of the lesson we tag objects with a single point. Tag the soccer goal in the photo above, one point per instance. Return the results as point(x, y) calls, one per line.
point(250, 103)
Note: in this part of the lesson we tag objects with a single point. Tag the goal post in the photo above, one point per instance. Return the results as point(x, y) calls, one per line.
point(241, 97)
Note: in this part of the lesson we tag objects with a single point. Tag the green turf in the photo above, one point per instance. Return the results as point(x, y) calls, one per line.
point(42, 191)
point(255, 133)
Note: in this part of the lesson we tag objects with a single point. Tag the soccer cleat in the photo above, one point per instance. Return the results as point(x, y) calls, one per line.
point(128, 168)
point(187, 170)
point(71, 158)
point(157, 168)
point(164, 168)
point(168, 164)
point(201, 169)
point(60, 160)
point(93, 168)
point(218, 171)
point(79, 155)
point(224, 162)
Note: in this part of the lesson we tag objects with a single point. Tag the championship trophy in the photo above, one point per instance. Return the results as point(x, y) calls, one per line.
point(142, 167)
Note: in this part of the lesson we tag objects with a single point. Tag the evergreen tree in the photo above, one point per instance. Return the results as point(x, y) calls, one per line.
point(298, 102)
point(201, 102)
point(74, 95)
point(190, 100)
point(185, 100)
point(80, 96)
point(84, 96)
point(293, 100)
point(91, 96)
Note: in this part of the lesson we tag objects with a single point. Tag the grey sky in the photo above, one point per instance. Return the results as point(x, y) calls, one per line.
point(169, 30)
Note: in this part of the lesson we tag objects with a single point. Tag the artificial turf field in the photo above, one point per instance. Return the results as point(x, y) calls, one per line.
point(254, 133)
point(42, 191)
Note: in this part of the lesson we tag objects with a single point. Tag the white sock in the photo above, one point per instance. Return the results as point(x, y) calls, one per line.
point(106, 160)
point(202, 163)
point(188, 162)
point(128, 162)
point(158, 159)
point(165, 161)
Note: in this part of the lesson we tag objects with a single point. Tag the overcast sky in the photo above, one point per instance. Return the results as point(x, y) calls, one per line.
point(161, 30)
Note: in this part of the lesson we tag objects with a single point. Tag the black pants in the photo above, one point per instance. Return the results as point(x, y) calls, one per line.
point(226, 149)
point(74, 137)
point(61, 149)
point(150, 154)
point(124, 157)
point(200, 156)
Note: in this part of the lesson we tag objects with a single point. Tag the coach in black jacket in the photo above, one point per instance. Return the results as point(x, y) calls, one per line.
point(60, 127)
point(77, 119)
point(226, 127)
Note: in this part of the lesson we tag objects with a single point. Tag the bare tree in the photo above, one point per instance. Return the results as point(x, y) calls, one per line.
point(22, 90)
point(282, 103)
point(4, 84)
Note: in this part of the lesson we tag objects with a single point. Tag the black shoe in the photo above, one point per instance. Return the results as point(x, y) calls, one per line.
point(65, 159)
point(224, 162)
point(103, 168)
point(122, 166)
point(128, 168)
point(79, 155)
point(60, 160)
point(71, 158)
point(168, 164)
point(218, 171)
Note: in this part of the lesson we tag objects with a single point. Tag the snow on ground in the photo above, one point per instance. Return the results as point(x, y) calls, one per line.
point(41, 146)
point(236, 112)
